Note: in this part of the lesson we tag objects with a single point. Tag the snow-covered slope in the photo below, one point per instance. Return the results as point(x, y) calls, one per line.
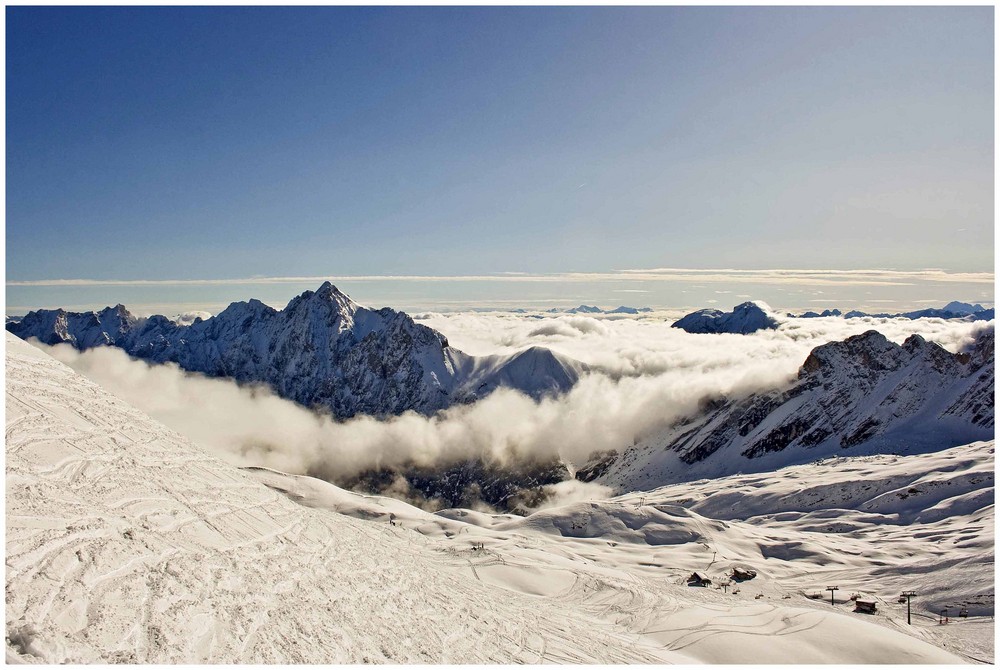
point(876, 525)
point(322, 350)
point(871, 508)
point(127, 543)
point(746, 318)
point(863, 395)
point(536, 371)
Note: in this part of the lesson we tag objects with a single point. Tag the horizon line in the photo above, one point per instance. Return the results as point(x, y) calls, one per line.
point(883, 277)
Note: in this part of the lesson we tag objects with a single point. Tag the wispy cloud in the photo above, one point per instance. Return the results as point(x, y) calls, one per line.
point(776, 276)
point(841, 277)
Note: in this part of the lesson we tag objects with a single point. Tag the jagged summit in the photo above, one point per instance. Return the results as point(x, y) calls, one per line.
point(870, 349)
point(746, 318)
point(322, 350)
point(326, 295)
point(81, 329)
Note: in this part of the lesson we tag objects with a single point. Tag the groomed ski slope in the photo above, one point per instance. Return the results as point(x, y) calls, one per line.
point(127, 543)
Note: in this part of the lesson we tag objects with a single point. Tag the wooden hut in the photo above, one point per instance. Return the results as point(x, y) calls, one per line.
point(865, 605)
point(698, 579)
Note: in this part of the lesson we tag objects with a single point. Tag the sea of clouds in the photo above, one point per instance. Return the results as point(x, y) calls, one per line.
point(645, 375)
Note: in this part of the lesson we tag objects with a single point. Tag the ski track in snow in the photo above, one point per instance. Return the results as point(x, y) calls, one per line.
point(126, 543)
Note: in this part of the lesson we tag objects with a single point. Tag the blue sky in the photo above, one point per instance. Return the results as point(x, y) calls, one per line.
point(210, 143)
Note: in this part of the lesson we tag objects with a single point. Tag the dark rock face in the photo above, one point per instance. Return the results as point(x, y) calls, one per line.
point(515, 486)
point(746, 318)
point(598, 463)
point(323, 350)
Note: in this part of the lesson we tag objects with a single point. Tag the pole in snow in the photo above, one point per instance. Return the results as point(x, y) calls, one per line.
point(908, 595)
point(831, 589)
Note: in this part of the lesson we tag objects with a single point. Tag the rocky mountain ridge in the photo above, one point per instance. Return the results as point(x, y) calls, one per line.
point(861, 395)
point(323, 350)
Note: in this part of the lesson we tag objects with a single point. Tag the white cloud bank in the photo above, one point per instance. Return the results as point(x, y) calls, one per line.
point(647, 345)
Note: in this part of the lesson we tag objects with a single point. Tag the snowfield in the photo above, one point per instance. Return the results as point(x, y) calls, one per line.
point(125, 542)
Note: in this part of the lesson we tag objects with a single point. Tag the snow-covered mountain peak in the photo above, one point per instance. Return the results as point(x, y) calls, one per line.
point(751, 304)
point(544, 363)
point(326, 297)
point(959, 307)
point(239, 319)
point(329, 308)
point(250, 307)
point(118, 310)
point(330, 293)
point(746, 318)
point(585, 309)
point(870, 350)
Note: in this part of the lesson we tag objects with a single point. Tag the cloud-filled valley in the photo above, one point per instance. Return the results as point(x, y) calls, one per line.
point(645, 376)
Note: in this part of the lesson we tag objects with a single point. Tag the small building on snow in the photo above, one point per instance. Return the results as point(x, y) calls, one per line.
point(865, 605)
point(698, 579)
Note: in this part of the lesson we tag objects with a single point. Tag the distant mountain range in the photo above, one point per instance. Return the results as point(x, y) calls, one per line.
point(322, 350)
point(591, 309)
point(953, 310)
point(862, 395)
point(749, 317)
